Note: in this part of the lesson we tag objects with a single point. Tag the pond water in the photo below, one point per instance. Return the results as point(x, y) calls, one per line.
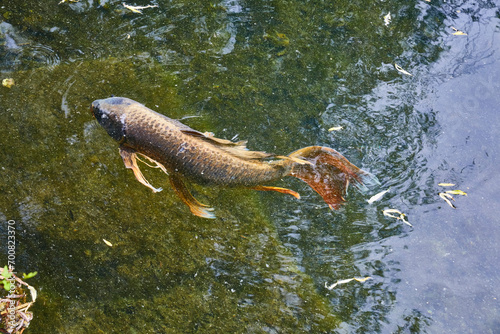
point(279, 74)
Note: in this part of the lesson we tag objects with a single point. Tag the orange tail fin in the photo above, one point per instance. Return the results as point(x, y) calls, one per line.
point(329, 173)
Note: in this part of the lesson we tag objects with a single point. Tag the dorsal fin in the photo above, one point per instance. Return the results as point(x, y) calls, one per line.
point(238, 149)
point(210, 137)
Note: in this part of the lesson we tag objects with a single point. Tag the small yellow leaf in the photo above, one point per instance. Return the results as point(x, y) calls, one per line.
point(446, 184)
point(362, 279)
point(458, 32)
point(456, 192)
point(9, 82)
point(107, 243)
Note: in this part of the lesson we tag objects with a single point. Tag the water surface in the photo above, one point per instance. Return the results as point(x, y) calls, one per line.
point(280, 74)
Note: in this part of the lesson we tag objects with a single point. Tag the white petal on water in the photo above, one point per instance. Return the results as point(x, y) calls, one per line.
point(359, 279)
point(378, 196)
point(387, 19)
point(400, 69)
point(447, 198)
point(138, 9)
point(33, 293)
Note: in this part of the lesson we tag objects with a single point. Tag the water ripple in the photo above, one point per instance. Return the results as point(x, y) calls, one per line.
point(41, 54)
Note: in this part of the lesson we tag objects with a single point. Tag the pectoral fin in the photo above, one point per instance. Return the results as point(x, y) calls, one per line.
point(156, 163)
point(129, 157)
point(278, 189)
point(197, 208)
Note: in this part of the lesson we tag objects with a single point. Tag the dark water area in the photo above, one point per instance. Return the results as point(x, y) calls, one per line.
point(279, 74)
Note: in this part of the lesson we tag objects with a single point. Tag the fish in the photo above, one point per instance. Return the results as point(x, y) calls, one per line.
point(185, 154)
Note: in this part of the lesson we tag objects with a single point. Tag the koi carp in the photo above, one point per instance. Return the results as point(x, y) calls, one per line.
point(187, 154)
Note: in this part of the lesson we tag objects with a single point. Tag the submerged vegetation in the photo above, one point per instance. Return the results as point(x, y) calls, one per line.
point(14, 305)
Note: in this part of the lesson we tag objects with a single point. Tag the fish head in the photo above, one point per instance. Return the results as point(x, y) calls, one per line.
point(111, 113)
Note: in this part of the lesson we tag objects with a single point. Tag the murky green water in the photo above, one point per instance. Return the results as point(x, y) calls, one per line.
point(280, 74)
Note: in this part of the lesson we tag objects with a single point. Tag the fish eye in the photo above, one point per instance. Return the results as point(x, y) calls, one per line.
point(108, 119)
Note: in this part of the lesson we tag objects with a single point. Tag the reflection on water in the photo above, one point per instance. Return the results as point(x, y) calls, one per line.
point(279, 76)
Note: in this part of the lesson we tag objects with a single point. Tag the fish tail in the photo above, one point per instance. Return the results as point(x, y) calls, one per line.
point(329, 173)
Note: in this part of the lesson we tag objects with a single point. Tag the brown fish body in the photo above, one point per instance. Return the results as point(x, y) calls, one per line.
point(186, 153)
point(194, 155)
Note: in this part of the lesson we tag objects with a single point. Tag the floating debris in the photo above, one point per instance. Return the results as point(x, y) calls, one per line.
point(34, 294)
point(138, 9)
point(389, 213)
point(387, 19)
point(447, 198)
point(107, 243)
point(400, 69)
point(378, 196)
point(336, 128)
point(29, 275)
point(446, 184)
point(14, 315)
point(359, 279)
point(456, 192)
point(458, 32)
point(9, 82)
